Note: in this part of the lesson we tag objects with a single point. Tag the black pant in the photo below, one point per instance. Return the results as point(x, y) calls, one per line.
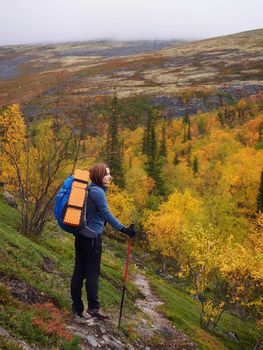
point(87, 266)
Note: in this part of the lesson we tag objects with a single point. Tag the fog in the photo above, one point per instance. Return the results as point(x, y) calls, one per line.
point(44, 21)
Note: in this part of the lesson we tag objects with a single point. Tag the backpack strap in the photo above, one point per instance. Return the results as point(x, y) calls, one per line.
point(88, 190)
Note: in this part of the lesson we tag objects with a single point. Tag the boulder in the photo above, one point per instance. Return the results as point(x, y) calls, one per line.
point(10, 199)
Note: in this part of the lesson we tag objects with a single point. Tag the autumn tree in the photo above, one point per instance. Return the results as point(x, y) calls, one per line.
point(220, 277)
point(121, 205)
point(235, 113)
point(38, 161)
point(138, 185)
point(176, 231)
point(13, 136)
point(164, 226)
point(242, 269)
point(198, 258)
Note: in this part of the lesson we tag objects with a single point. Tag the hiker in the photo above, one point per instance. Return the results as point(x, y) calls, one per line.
point(88, 244)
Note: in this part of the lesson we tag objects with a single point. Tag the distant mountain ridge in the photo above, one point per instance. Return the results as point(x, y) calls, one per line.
point(14, 55)
point(152, 69)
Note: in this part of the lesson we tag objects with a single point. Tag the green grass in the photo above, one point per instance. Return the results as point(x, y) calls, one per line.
point(46, 268)
point(183, 311)
point(8, 215)
point(9, 344)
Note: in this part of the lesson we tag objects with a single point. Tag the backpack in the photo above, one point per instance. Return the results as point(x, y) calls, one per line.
point(70, 203)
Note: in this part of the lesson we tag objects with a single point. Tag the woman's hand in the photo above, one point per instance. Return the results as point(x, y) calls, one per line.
point(129, 231)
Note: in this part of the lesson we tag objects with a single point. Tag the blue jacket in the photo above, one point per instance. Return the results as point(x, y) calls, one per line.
point(97, 211)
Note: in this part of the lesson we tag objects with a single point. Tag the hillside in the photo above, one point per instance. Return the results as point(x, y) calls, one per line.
point(230, 63)
point(34, 296)
point(193, 186)
point(29, 71)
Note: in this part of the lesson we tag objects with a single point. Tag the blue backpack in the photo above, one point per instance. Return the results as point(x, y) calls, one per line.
point(61, 205)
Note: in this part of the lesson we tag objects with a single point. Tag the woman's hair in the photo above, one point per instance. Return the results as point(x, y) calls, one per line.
point(97, 173)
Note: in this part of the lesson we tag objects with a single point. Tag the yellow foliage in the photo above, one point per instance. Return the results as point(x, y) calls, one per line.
point(220, 146)
point(198, 254)
point(249, 131)
point(138, 185)
point(211, 311)
point(12, 143)
point(12, 125)
point(164, 227)
point(242, 172)
point(242, 266)
point(121, 205)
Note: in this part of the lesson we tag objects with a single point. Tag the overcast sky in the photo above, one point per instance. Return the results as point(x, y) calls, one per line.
point(42, 21)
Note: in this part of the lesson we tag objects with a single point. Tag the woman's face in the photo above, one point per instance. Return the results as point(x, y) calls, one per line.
point(107, 178)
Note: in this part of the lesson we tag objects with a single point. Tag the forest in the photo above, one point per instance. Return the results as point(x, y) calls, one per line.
point(193, 186)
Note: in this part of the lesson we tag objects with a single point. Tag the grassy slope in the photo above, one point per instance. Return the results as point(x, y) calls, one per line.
point(183, 311)
point(42, 272)
point(47, 267)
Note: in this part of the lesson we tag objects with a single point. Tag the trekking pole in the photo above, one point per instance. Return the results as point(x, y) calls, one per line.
point(124, 281)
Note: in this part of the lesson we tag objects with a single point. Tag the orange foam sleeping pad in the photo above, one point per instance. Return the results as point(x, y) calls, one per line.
point(76, 198)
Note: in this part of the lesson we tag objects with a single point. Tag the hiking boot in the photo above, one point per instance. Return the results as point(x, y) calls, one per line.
point(77, 317)
point(86, 316)
point(81, 317)
point(77, 314)
point(98, 314)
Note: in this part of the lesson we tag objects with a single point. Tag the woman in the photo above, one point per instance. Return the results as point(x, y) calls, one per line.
point(88, 243)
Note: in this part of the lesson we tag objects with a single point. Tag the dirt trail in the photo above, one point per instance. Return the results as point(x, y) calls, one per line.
point(154, 330)
point(171, 338)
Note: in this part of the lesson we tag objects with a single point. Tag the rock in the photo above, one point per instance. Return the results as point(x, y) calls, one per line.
point(81, 335)
point(130, 347)
point(176, 107)
point(93, 341)
point(113, 343)
point(90, 322)
point(3, 332)
point(166, 331)
point(169, 277)
point(115, 346)
point(21, 343)
point(102, 329)
point(25, 346)
point(10, 199)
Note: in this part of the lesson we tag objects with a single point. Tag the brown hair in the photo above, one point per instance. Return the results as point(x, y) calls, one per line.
point(97, 173)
